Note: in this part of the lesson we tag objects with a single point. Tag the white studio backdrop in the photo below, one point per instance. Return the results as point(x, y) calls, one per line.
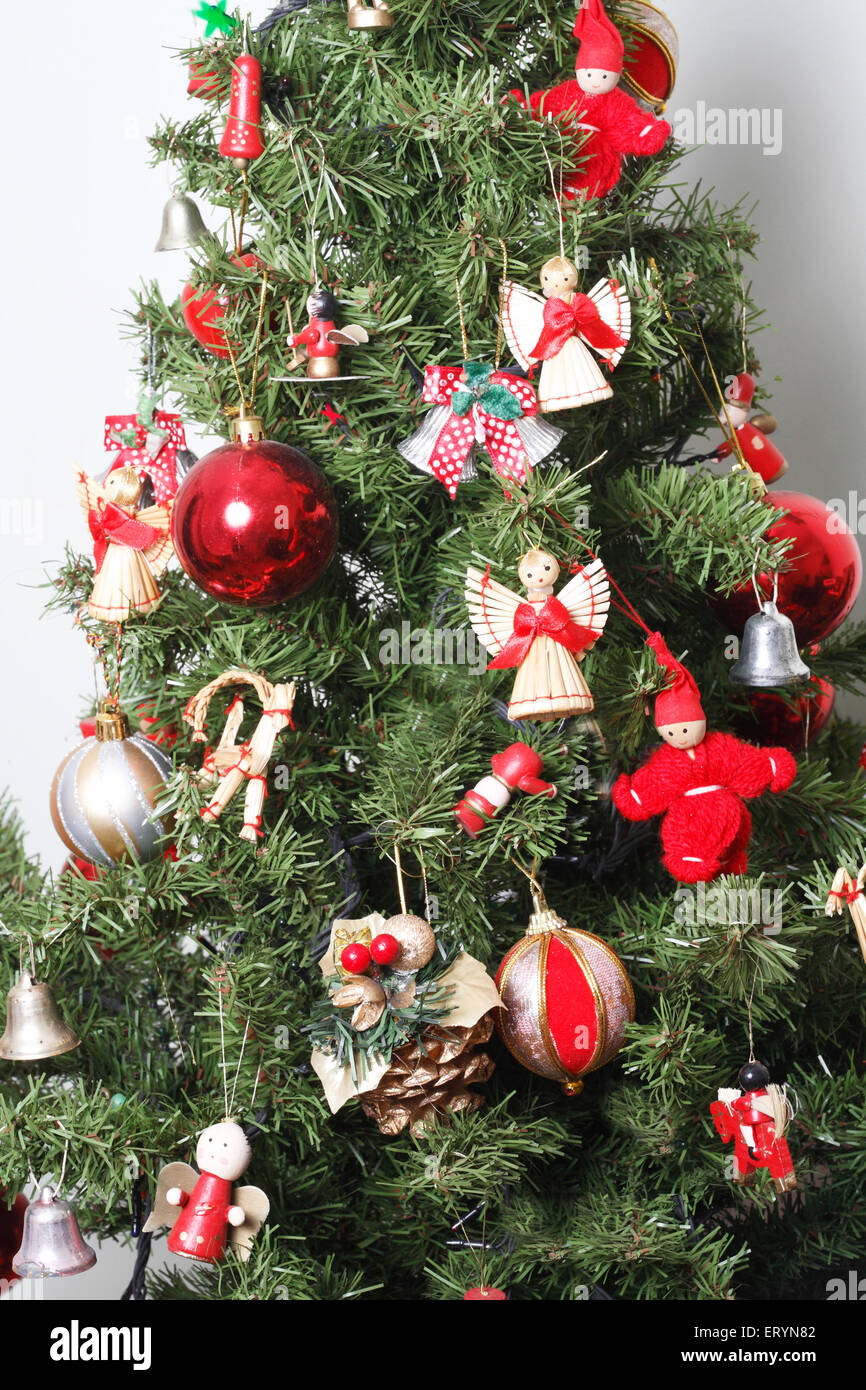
point(83, 215)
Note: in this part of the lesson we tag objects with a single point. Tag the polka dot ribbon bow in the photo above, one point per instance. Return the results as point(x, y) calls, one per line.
point(482, 407)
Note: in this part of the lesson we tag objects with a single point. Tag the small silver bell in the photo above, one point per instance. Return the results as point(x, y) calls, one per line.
point(768, 654)
point(182, 224)
point(51, 1243)
point(34, 1028)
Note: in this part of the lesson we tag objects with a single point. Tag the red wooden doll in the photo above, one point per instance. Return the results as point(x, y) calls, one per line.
point(756, 1121)
point(321, 340)
point(211, 1207)
point(760, 454)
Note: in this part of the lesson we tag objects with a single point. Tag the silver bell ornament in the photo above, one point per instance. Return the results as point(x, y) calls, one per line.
point(34, 1028)
point(768, 654)
point(51, 1244)
point(182, 224)
point(104, 793)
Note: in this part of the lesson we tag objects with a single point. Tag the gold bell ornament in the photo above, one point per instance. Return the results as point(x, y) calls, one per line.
point(375, 16)
point(34, 1028)
point(52, 1245)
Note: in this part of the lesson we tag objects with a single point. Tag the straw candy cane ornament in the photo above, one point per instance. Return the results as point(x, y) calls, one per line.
point(231, 764)
point(847, 891)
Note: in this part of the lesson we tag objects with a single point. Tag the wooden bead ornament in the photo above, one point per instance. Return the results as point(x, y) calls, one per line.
point(543, 636)
point(242, 139)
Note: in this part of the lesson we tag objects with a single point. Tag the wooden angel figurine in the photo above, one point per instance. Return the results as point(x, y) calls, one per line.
point(209, 1206)
point(562, 329)
point(545, 637)
point(320, 342)
point(131, 543)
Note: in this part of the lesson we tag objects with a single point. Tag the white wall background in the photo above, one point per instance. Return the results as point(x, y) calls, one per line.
point(82, 216)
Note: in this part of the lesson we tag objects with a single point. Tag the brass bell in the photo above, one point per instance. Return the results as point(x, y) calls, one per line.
point(769, 655)
point(34, 1027)
point(375, 16)
point(51, 1243)
point(182, 224)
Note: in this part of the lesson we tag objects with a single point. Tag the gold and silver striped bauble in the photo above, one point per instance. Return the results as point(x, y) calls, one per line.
point(103, 794)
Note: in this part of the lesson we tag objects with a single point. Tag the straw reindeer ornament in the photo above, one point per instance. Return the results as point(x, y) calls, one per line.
point(231, 764)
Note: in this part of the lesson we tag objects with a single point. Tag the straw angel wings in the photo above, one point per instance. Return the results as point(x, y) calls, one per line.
point(544, 636)
point(131, 544)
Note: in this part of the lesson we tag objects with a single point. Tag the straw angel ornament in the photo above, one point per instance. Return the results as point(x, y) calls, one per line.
point(543, 636)
point(131, 543)
point(562, 328)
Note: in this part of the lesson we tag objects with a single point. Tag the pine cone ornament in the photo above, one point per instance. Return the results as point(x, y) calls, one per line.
point(432, 1077)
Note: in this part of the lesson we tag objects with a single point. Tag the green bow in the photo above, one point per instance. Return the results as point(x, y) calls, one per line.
point(495, 400)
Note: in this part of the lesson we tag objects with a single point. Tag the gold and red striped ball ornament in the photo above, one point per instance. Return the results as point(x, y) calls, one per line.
point(566, 997)
point(105, 791)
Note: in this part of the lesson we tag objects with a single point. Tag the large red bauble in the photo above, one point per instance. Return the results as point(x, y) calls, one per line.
point(203, 310)
point(255, 523)
point(820, 589)
point(768, 719)
point(566, 1001)
point(11, 1231)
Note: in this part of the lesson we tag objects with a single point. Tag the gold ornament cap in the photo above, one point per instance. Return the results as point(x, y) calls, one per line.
point(543, 918)
point(246, 428)
point(112, 724)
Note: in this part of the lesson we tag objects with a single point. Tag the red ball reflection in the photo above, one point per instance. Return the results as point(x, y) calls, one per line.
point(820, 589)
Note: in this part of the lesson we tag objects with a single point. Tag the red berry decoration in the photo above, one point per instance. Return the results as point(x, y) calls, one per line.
point(355, 958)
point(487, 1294)
point(820, 589)
point(384, 948)
point(255, 522)
point(203, 309)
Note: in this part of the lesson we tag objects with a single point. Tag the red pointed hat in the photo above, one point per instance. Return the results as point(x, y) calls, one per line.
point(741, 390)
point(680, 703)
point(601, 44)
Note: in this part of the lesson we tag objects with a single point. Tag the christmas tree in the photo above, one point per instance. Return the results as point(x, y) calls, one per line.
point(393, 185)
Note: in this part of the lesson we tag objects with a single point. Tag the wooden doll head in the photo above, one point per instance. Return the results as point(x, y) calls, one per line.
point(223, 1150)
point(688, 733)
point(123, 486)
point(538, 570)
point(558, 277)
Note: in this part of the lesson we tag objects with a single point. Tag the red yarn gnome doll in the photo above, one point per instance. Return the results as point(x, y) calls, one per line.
point(698, 781)
point(594, 105)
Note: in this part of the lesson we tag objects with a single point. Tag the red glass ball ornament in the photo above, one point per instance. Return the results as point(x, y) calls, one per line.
point(11, 1232)
point(384, 948)
point(486, 1295)
point(821, 588)
point(765, 717)
point(254, 523)
point(862, 762)
point(203, 310)
point(355, 958)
